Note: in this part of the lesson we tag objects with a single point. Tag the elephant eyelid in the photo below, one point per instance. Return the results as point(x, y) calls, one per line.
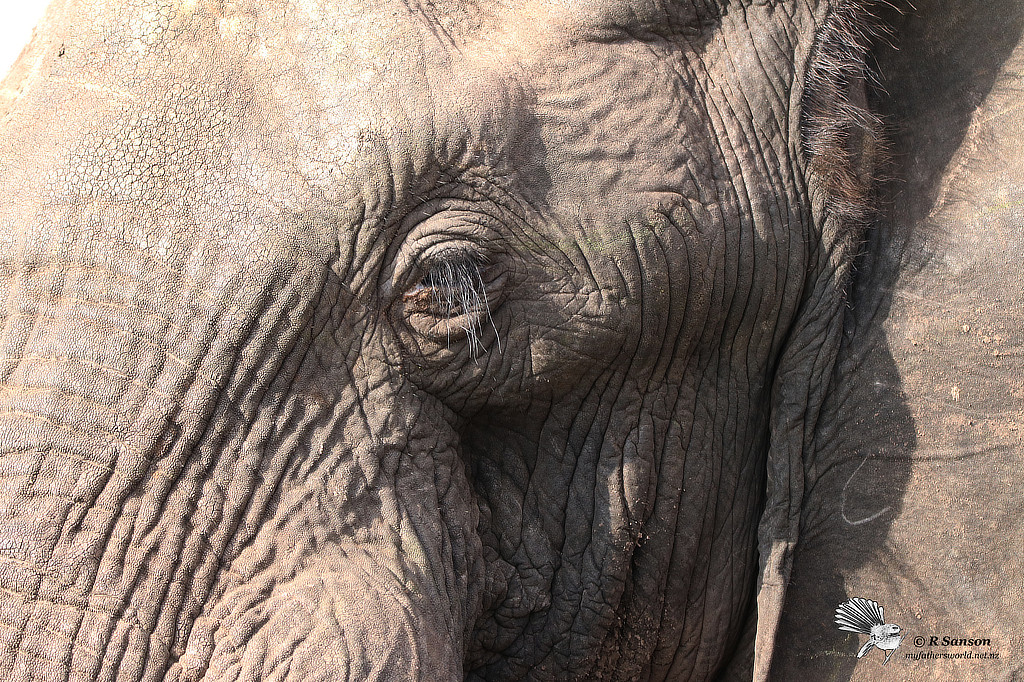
point(454, 290)
point(456, 287)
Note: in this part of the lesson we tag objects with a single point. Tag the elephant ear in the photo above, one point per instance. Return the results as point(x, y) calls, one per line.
point(839, 143)
point(912, 479)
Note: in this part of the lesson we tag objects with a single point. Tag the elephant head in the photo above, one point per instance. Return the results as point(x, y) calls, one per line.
point(349, 340)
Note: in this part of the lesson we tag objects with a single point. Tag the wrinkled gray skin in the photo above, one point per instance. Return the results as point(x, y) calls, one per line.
point(438, 341)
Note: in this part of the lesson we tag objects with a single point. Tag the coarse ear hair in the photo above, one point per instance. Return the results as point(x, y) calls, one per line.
point(839, 139)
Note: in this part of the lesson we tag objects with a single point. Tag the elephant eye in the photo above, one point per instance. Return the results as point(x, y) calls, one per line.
point(452, 287)
point(452, 299)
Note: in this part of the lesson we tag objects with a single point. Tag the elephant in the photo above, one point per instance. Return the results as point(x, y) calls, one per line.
point(507, 339)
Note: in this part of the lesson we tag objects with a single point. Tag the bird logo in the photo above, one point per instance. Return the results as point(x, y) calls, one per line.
point(865, 617)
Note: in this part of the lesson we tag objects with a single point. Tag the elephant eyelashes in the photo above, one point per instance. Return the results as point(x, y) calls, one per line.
point(452, 296)
point(452, 288)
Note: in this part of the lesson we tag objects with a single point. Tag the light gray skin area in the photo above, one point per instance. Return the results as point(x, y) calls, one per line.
point(447, 340)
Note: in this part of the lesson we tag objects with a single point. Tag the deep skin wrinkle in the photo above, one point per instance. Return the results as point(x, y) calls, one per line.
point(307, 472)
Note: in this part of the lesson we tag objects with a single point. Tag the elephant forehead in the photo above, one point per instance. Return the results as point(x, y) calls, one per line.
point(400, 87)
point(375, 102)
point(374, 92)
point(592, 131)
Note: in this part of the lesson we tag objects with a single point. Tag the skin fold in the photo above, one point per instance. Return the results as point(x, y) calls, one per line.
point(385, 340)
